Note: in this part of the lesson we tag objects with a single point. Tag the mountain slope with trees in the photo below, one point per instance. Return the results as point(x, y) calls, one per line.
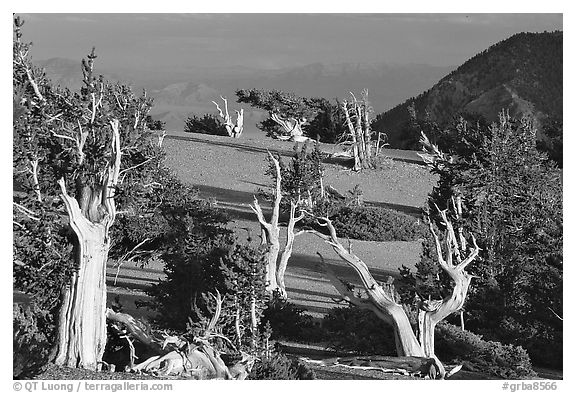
point(522, 74)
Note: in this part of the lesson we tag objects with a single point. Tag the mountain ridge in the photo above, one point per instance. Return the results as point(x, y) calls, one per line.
point(521, 74)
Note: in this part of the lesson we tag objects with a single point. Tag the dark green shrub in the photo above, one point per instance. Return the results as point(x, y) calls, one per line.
point(357, 330)
point(207, 124)
point(155, 125)
point(243, 272)
point(197, 240)
point(270, 127)
point(429, 281)
point(329, 124)
point(32, 337)
point(506, 361)
point(278, 366)
point(377, 224)
point(553, 129)
point(288, 321)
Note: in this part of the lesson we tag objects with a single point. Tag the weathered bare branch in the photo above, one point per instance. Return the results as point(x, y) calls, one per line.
point(233, 130)
point(431, 154)
point(555, 314)
point(35, 181)
point(27, 212)
point(259, 213)
point(437, 243)
point(67, 137)
point(32, 81)
point(127, 257)
point(113, 173)
point(292, 126)
point(136, 166)
point(212, 324)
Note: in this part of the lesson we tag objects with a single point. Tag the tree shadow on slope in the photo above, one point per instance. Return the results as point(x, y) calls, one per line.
point(236, 203)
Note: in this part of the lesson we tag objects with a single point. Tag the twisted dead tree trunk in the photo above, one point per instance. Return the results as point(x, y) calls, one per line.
point(82, 320)
point(360, 135)
point(270, 233)
point(291, 126)
point(381, 300)
point(451, 260)
point(234, 130)
point(287, 252)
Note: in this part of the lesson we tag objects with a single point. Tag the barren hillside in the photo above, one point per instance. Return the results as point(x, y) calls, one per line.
point(230, 171)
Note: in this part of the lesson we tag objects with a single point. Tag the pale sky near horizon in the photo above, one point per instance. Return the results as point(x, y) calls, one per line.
point(274, 40)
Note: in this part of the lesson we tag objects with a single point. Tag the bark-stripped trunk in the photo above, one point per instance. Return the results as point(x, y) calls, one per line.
point(83, 314)
point(382, 302)
point(287, 252)
point(275, 270)
point(271, 259)
point(367, 135)
point(292, 127)
point(357, 120)
point(253, 319)
point(359, 132)
point(352, 131)
point(82, 320)
point(271, 230)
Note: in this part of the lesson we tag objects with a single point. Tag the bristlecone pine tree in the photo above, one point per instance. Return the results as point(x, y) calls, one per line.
point(270, 233)
point(513, 205)
point(243, 270)
point(453, 255)
point(71, 153)
point(286, 110)
point(298, 185)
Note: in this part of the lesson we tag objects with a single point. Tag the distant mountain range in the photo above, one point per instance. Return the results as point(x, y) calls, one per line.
point(522, 74)
point(181, 91)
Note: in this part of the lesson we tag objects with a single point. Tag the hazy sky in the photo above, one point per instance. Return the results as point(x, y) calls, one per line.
point(274, 40)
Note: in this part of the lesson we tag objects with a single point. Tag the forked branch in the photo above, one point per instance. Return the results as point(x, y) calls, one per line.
point(456, 271)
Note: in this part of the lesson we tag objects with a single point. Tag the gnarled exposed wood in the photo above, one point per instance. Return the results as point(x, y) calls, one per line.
point(176, 356)
point(275, 270)
point(387, 309)
point(292, 127)
point(287, 252)
point(452, 262)
point(400, 365)
point(359, 133)
point(83, 325)
point(383, 304)
point(137, 330)
point(271, 229)
point(233, 130)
